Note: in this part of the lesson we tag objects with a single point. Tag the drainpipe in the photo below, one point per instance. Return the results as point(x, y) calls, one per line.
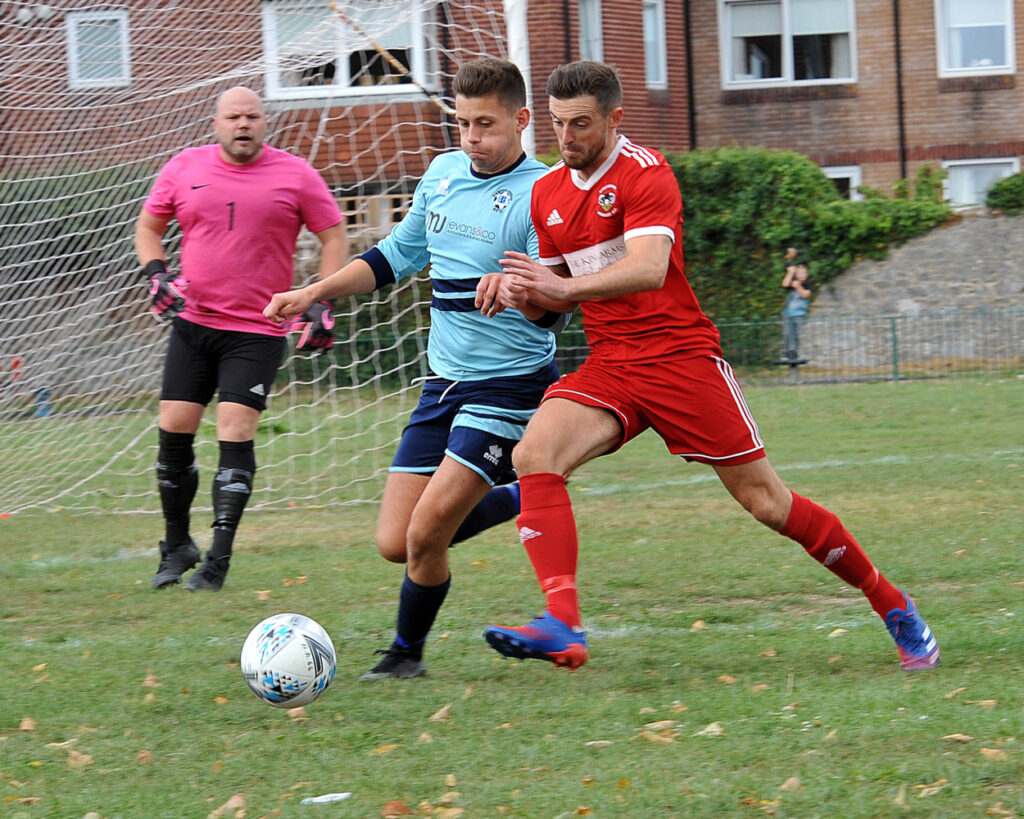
point(691, 103)
point(565, 28)
point(897, 44)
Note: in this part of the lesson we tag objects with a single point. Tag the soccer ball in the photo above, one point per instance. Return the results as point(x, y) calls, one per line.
point(288, 660)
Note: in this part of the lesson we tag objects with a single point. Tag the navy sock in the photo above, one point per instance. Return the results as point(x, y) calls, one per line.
point(417, 609)
point(497, 506)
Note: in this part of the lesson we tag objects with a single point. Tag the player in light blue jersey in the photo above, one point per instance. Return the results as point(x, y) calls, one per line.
point(448, 478)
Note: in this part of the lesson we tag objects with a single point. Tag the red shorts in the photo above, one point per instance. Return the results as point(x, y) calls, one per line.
point(694, 404)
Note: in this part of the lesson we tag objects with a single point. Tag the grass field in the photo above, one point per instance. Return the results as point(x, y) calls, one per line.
point(730, 674)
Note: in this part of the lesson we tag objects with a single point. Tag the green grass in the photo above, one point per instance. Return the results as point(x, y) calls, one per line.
point(927, 475)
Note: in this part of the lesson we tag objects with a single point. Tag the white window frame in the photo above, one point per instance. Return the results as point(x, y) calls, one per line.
point(591, 36)
point(851, 172)
point(655, 59)
point(942, 45)
point(77, 78)
point(1012, 163)
point(419, 68)
point(788, 70)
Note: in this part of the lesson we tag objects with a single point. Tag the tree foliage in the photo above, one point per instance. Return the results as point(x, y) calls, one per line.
point(744, 206)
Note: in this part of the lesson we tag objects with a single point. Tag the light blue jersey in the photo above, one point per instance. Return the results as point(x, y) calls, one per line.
point(462, 222)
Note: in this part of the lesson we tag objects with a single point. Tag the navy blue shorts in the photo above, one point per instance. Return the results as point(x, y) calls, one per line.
point(475, 422)
point(240, 367)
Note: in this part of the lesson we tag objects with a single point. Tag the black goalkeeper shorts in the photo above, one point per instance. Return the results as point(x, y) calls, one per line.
point(239, 367)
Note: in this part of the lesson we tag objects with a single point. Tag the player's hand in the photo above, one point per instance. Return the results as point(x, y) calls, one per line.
point(285, 306)
point(316, 327)
point(487, 290)
point(535, 276)
point(167, 290)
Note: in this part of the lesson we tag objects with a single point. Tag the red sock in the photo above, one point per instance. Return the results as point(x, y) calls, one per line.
point(547, 529)
point(825, 538)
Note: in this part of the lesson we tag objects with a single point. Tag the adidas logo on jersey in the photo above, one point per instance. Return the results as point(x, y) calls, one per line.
point(258, 390)
point(554, 218)
point(526, 533)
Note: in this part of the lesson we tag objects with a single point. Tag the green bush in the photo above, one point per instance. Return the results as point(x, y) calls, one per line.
point(1007, 195)
point(744, 206)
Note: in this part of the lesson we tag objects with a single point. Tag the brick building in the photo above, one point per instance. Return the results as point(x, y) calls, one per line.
point(868, 89)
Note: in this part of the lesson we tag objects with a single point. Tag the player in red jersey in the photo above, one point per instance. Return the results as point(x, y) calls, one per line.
point(609, 221)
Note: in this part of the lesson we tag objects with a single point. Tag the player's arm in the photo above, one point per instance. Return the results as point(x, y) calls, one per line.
point(787, 280)
point(354, 279)
point(166, 288)
point(316, 324)
point(644, 267)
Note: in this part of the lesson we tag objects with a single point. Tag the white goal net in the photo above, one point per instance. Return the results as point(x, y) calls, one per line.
point(96, 97)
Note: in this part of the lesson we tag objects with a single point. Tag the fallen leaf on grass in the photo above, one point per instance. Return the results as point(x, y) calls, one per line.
point(144, 757)
point(837, 632)
point(384, 749)
point(757, 689)
point(36, 669)
point(449, 813)
point(998, 810)
point(677, 706)
point(954, 693)
point(234, 808)
point(699, 625)
point(727, 679)
point(448, 798)
point(220, 700)
point(218, 766)
point(396, 808)
point(994, 753)
point(957, 738)
point(901, 796)
point(26, 800)
point(150, 697)
point(712, 729)
point(791, 785)
point(982, 703)
point(297, 714)
point(151, 681)
point(262, 594)
point(767, 653)
point(599, 743)
point(424, 737)
point(651, 736)
point(661, 725)
point(442, 714)
point(932, 788)
point(78, 761)
point(27, 724)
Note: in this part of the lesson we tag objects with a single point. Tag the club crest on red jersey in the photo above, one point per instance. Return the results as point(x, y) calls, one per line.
point(607, 201)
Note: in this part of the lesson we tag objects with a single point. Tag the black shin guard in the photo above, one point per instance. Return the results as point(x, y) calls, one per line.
point(231, 489)
point(177, 478)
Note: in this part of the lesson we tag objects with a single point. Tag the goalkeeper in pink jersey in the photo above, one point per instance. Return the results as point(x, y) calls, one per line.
point(609, 226)
point(240, 205)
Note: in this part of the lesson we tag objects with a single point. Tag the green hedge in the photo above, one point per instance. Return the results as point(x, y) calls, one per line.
point(744, 206)
point(1007, 195)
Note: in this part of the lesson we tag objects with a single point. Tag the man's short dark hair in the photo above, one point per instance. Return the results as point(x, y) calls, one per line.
point(585, 77)
point(489, 75)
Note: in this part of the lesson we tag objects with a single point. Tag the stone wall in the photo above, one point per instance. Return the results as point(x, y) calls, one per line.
point(949, 300)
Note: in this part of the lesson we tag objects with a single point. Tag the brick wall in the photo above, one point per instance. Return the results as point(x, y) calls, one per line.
point(857, 123)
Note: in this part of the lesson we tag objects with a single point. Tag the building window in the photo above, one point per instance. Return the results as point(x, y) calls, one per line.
point(98, 54)
point(783, 42)
point(591, 42)
point(655, 69)
point(313, 52)
point(968, 180)
point(974, 37)
point(847, 179)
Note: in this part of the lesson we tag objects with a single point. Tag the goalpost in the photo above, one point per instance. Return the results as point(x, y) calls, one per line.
point(96, 100)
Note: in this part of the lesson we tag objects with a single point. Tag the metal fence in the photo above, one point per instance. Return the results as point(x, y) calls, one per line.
point(864, 348)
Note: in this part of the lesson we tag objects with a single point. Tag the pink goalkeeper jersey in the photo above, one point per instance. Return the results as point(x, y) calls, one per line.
point(238, 227)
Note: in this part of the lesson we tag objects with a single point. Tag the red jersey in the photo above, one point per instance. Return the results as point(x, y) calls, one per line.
point(585, 225)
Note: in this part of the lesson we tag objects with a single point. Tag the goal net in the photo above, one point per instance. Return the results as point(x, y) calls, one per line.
point(96, 98)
